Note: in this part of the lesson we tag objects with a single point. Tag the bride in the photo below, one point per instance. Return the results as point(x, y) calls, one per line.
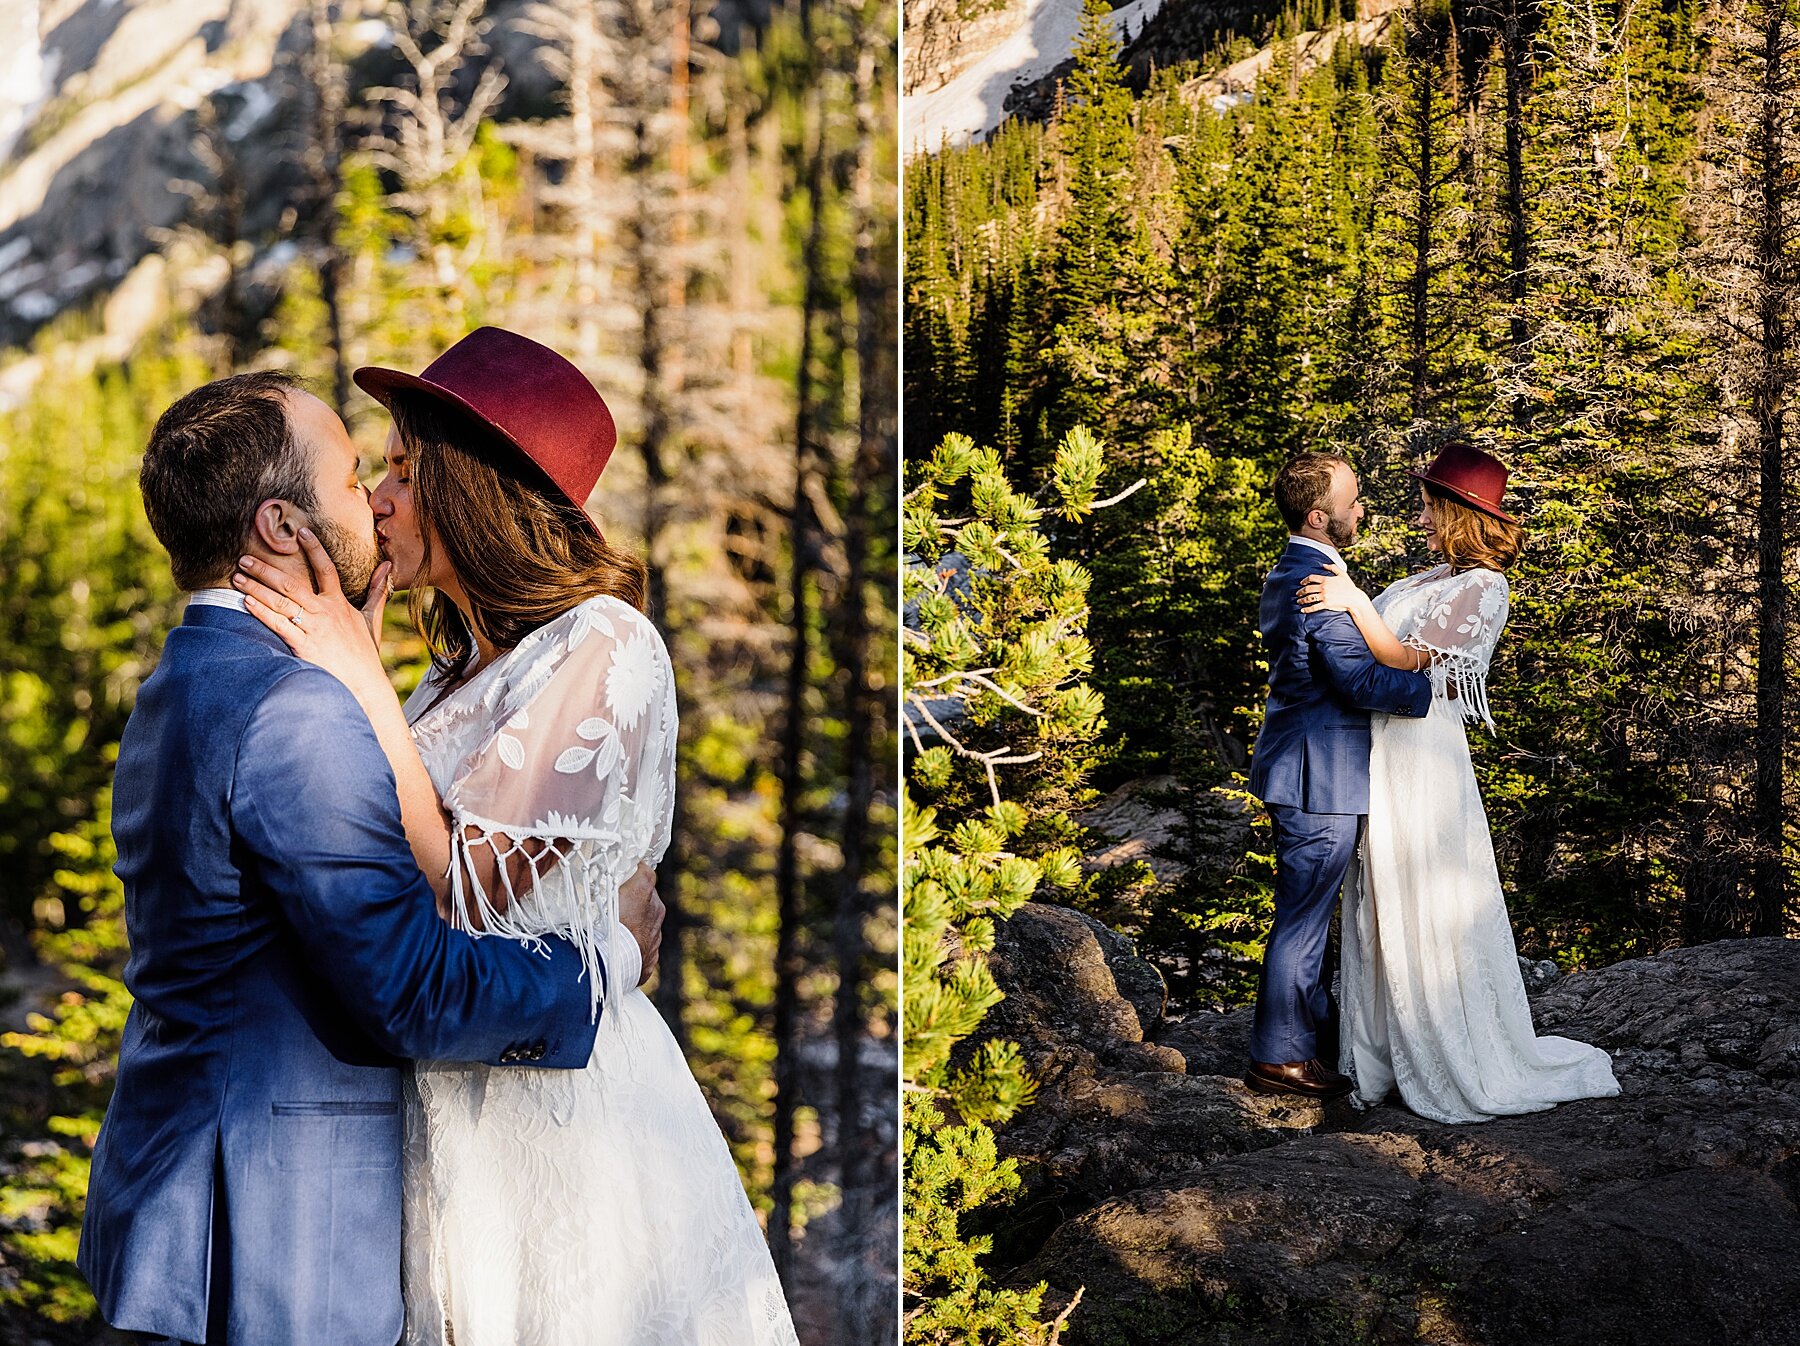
point(598, 1207)
point(1432, 996)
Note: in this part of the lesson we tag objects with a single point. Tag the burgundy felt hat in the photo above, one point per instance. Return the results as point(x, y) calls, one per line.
point(1465, 473)
point(526, 393)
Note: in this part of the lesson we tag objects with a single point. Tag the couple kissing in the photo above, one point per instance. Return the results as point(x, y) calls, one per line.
point(388, 1075)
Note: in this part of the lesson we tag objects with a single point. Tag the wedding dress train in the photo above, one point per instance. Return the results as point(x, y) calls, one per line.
point(1432, 997)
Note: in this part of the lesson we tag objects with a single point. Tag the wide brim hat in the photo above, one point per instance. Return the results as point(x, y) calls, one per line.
point(530, 397)
point(1467, 474)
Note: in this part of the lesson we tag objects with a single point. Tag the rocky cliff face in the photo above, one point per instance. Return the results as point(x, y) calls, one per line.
point(944, 38)
point(97, 122)
point(1158, 36)
point(964, 58)
point(100, 125)
point(1187, 1209)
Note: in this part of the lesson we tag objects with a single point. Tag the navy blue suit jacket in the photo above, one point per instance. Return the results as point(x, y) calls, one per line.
point(286, 956)
point(1313, 750)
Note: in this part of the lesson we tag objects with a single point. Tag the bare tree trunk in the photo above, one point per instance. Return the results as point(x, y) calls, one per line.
point(217, 216)
point(1419, 284)
point(431, 131)
point(1518, 237)
point(1775, 273)
point(788, 964)
point(661, 288)
point(583, 87)
point(680, 44)
point(875, 407)
point(323, 159)
point(742, 280)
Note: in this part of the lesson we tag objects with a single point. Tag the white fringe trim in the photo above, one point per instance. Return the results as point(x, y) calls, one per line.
point(574, 894)
point(1467, 674)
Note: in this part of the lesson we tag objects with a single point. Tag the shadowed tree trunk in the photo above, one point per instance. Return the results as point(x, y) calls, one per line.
point(1518, 238)
point(1774, 276)
point(871, 465)
point(788, 965)
point(323, 160)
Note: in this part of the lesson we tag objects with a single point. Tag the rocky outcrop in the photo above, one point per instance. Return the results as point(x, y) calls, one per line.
point(946, 37)
point(1195, 30)
point(1311, 49)
point(1144, 819)
point(965, 59)
point(98, 102)
point(1115, 1110)
point(1187, 1209)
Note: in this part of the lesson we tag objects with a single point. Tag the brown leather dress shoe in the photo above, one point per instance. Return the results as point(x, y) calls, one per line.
point(1303, 1079)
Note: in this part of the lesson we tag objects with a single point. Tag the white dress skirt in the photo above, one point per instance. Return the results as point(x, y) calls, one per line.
point(1432, 998)
point(596, 1207)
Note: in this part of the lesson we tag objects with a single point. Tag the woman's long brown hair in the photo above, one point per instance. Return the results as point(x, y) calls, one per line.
point(521, 550)
point(1470, 538)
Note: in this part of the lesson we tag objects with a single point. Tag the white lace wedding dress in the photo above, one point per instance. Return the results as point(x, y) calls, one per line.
point(598, 1207)
point(1432, 998)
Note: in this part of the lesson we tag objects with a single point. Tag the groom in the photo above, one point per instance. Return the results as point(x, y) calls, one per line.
point(1311, 768)
point(286, 953)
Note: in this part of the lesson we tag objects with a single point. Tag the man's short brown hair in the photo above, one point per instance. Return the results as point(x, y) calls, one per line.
point(1304, 484)
point(215, 455)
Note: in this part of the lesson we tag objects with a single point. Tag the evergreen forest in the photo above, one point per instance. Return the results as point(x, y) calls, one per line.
point(1564, 229)
point(709, 230)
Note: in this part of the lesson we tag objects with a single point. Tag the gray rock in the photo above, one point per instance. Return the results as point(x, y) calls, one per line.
point(1144, 818)
point(1113, 1110)
point(1188, 1210)
point(1061, 973)
point(1538, 975)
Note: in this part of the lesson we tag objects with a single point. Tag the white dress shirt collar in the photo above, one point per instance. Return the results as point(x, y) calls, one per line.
point(218, 598)
point(1325, 547)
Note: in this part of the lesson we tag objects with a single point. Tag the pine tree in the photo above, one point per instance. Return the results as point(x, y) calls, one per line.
point(1424, 366)
point(325, 99)
point(1511, 25)
point(1093, 236)
point(1594, 655)
point(1750, 255)
point(992, 660)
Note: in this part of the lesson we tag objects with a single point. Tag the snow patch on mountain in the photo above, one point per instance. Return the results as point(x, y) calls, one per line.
point(973, 104)
point(25, 76)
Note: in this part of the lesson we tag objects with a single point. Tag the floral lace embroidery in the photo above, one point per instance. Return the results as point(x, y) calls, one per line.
point(1457, 619)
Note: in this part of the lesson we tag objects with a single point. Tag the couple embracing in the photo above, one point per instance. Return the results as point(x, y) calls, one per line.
point(1363, 763)
point(388, 1073)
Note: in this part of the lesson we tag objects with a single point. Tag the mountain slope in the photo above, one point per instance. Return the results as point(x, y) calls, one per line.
point(959, 70)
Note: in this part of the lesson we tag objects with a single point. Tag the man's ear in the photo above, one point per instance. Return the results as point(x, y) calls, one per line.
point(277, 525)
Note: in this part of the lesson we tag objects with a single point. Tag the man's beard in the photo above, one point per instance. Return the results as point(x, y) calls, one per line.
point(354, 560)
point(1342, 532)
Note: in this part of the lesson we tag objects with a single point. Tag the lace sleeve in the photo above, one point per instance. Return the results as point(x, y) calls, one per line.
point(574, 786)
point(1459, 628)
